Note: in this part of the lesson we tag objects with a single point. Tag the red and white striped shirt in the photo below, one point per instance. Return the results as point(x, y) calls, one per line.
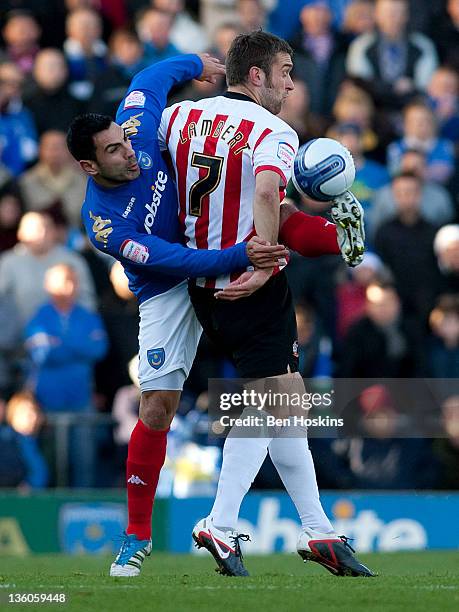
point(218, 146)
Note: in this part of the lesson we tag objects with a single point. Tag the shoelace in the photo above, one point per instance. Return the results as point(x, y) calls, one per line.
point(125, 546)
point(125, 553)
point(244, 537)
point(345, 541)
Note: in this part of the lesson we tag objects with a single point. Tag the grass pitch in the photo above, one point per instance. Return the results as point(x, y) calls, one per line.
point(415, 581)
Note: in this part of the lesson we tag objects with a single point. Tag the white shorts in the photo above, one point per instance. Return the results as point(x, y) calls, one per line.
point(169, 334)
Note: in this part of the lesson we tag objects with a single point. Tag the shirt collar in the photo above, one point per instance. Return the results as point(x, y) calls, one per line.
point(235, 95)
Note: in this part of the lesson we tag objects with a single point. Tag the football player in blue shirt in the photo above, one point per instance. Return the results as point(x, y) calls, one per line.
point(130, 211)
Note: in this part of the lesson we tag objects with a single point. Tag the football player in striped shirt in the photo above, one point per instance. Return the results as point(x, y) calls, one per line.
point(233, 158)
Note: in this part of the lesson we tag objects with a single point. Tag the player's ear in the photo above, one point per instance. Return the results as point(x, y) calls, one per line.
point(256, 76)
point(89, 166)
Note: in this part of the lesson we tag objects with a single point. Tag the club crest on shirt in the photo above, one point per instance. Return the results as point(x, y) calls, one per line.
point(156, 357)
point(144, 160)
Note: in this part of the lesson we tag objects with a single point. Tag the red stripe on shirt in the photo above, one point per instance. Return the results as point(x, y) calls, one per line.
point(171, 123)
point(272, 169)
point(262, 136)
point(233, 185)
point(201, 228)
point(183, 149)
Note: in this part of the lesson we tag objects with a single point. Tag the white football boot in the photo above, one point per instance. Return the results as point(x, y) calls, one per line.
point(128, 562)
point(332, 552)
point(223, 545)
point(347, 213)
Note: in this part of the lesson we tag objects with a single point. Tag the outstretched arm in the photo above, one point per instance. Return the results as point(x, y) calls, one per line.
point(312, 236)
point(308, 235)
point(140, 111)
point(157, 255)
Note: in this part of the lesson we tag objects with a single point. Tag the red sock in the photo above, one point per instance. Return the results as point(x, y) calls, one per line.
point(146, 454)
point(309, 236)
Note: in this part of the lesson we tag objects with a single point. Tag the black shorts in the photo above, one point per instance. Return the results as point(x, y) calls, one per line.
point(257, 333)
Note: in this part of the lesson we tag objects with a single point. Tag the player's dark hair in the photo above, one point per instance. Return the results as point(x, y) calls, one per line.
point(80, 135)
point(253, 49)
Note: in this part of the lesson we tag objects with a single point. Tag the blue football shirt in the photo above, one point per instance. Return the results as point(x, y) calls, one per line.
point(137, 221)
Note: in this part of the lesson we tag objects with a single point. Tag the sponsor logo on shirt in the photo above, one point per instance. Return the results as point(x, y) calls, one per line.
point(101, 228)
point(152, 207)
point(136, 252)
point(129, 207)
point(135, 99)
point(131, 125)
point(286, 153)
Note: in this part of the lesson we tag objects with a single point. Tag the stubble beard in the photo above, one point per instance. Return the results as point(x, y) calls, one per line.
point(270, 99)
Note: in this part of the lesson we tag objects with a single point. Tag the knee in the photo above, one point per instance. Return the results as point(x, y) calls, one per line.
point(157, 408)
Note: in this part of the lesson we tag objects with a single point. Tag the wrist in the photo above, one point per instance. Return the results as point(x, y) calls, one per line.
point(267, 271)
point(199, 64)
point(243, 252)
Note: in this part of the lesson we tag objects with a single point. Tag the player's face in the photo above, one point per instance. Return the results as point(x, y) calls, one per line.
point(116, 161)
point(278, 84)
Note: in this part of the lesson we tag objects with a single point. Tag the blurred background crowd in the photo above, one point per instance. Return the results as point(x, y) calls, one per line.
point(382, 77)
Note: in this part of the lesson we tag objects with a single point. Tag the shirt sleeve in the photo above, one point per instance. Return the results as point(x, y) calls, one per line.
point(276, 152)
point(153, 253)
point(164, 126)
point(140, 111)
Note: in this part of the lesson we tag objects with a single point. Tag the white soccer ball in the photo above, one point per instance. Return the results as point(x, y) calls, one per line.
point(323, 169)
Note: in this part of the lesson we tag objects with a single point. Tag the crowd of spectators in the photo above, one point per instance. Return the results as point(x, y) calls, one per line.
point(382, 77)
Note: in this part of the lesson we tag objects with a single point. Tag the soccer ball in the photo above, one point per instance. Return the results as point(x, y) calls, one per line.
point(323, 169)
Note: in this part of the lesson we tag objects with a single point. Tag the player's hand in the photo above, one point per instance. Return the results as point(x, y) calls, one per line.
point(347, 213)
point(212, 68)
point(245, 285)
point(264, 255)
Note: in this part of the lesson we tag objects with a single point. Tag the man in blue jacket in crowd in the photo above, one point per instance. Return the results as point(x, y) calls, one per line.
point(64, 340)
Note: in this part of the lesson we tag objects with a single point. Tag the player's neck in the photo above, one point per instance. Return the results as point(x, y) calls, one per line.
point(243, 89)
